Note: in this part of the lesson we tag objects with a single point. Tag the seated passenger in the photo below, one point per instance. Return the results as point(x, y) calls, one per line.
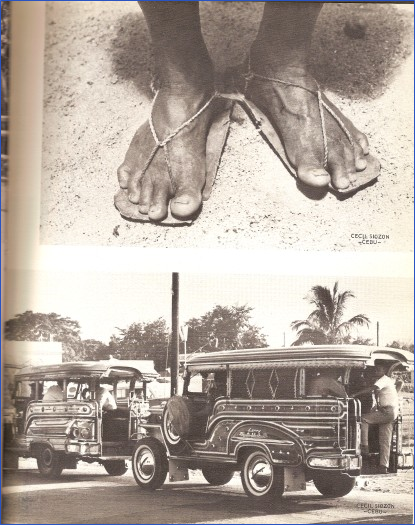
point(54, 392)
point(326, 384)
point(105, 399)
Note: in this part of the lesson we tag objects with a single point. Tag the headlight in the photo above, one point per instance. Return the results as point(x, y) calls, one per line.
point(82, 430)
point(85, 433)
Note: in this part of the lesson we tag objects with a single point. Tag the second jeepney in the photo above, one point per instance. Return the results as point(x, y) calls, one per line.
point(72, 424)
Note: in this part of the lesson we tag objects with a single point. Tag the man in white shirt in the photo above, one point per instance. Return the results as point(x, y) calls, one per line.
point(105, 399)
point(383, 414)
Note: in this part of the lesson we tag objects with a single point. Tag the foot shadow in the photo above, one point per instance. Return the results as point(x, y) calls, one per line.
point(358, 63)
point(131, 53)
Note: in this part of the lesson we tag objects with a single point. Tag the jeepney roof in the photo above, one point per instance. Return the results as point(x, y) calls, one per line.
point(310, 356)
point(113, 368)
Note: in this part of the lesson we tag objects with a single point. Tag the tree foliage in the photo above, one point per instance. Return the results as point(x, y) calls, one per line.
point(403, 346)
point(325, 324)
point(143, 341)
point(34, 326)
point(224, 328)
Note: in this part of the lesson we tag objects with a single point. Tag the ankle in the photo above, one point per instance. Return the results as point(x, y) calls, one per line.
point(269, 58)
point(193, 74)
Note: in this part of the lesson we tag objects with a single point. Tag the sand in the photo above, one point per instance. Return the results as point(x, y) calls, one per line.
point(98, 68)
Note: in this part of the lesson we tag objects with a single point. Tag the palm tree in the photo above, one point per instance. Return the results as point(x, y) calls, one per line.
point(324, 325)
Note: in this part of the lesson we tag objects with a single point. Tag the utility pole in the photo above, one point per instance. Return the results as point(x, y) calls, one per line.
point(377, 333)
point(175, 343)
point(284, 340)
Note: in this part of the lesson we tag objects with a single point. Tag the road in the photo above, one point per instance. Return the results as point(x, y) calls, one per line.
point(89, 495)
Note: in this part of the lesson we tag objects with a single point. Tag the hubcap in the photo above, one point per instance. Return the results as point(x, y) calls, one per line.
point(145, 464)
point(260, 474)
point(47, 457)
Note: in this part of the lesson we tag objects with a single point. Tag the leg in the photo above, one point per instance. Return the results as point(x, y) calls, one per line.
point(185, 80)
point(365, 437)
point(385, 438)
point(280, 51)
point(381, 418)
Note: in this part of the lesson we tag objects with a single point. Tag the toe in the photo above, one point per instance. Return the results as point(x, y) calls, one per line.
point(313, 175)
point(342, 172)
point(123, 174)
point(359, 157)
point(159, 203)
point(363, 142)
point(134, 187)
point(186, 203)
point(145, 195)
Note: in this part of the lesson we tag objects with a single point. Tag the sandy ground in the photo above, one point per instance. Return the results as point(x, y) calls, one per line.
point(400, 483)
point(97, 74)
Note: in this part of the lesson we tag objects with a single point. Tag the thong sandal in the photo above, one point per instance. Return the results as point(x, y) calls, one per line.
point(215, 144)
point(366, 177)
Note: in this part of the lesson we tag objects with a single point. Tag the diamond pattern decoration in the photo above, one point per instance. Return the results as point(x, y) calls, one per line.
point(273, 383)
point(250, 383)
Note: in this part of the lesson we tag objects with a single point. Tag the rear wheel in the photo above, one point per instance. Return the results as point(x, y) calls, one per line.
point(115, 467)
point(260, 479)
point(150, 465)
point(218, 474)
point(333, 484)
point(49, 463)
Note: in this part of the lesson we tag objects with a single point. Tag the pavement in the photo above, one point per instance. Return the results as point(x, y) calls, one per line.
point(98, 67)
point(88, 495)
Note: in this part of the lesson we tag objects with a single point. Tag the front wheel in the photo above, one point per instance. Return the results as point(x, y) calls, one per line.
point(49, 463)
point(333, 484)
point(218, 474)
point(115, 467)
point(260, 479)
point(150, 465)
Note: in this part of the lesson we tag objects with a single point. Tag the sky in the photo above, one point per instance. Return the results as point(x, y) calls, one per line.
point(103, 301)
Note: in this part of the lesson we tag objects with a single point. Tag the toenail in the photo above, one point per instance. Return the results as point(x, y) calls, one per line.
point(319, 173)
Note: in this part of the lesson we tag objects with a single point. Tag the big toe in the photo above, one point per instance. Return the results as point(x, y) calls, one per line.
point(185, 204)
point(159, 204)
point(313, 176)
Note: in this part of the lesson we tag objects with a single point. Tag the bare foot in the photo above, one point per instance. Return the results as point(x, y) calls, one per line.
point(175, 173)
point(295, 115)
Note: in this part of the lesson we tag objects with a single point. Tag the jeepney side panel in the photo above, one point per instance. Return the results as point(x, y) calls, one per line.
point(296, 428)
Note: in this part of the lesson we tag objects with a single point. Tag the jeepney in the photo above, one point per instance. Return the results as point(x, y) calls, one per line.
point(250, 411)
point(59, 433)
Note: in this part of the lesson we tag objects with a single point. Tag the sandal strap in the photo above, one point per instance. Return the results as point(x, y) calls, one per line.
point(322, 105)
point(163, 143)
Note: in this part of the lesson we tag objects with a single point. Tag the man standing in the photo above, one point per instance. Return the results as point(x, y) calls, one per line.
point(383, 414)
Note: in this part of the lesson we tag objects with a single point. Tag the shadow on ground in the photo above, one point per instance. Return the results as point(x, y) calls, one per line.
point(358, 64)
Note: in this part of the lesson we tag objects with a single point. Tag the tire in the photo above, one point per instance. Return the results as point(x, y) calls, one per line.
point(150, 465)
point(261, 480)
point(218, 474)
point(49, 463)
point(115, 467)
point(333, 484)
